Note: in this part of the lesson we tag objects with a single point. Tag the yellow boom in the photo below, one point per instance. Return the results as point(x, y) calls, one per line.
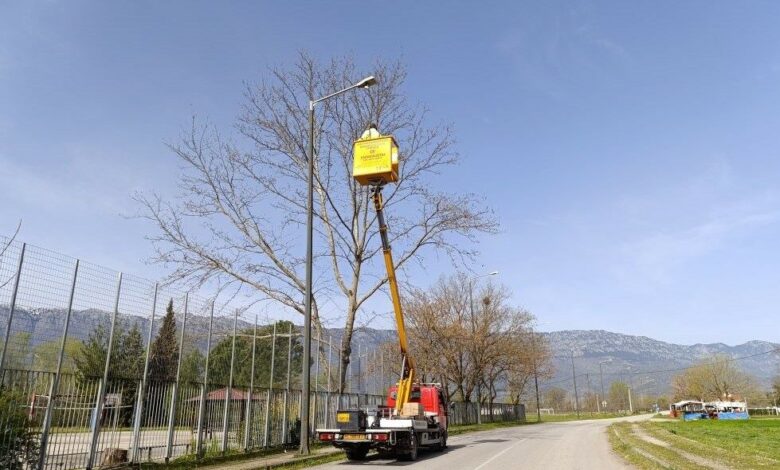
point(407, 363)
point(376, 163)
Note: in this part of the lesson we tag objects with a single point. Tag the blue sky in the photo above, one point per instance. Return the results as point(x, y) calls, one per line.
point(630, 149)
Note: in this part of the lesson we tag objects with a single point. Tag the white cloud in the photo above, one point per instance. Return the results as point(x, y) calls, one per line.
point(675, 225)
point(655, 258)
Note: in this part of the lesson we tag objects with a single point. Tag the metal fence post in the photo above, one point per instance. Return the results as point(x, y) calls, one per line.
point(202, 402)
point(382, 382)
point(327, 396)
point(229, 390)
point(175, 394)
point(316, 378)
point(339, 384)
point(6, 338)
point(103, 386)
point(287, 387)
point(55, 381)
point(250, 395)
point(139, 407)
point(359, 371)
point(270, 390)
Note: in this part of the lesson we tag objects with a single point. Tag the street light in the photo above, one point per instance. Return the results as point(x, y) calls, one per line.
point(630, 385)
point(471, 304)
point(601, 378)
point(536, 375)
point(304, 449)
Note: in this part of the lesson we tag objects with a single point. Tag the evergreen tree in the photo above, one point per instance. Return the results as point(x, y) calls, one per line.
point(164, 354)
point(131, 360)
point(19, 440)
point(91, 358)
point(192, 367)
point(127, 354)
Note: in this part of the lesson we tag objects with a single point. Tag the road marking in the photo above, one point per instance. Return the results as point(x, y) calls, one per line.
point(500, 454)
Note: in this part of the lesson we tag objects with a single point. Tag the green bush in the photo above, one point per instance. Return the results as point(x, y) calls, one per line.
point(18, 442)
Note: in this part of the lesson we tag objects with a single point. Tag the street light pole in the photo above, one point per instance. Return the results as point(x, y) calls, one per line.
point(306, 385)
point(536, 380)
point(471, 306)
point(574, 378)
point(630, 385)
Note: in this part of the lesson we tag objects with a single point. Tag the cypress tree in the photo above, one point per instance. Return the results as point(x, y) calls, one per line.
point(164, 354)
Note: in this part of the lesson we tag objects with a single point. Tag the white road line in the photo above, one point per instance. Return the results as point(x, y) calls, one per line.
point(500, 454)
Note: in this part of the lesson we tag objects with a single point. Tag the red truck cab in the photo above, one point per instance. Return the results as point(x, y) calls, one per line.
point(429, 395)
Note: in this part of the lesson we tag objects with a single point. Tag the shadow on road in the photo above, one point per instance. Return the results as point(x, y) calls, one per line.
point(376, 459)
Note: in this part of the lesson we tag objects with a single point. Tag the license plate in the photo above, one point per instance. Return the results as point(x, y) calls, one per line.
point(342, 418)
point(354, 437)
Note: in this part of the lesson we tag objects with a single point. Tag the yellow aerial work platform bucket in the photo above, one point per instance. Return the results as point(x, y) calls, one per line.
point(375, 160)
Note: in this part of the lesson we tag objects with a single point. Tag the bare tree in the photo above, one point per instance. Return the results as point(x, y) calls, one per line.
point(535, 359)
point(464, 347)
point(240, 216)
point(714, 378)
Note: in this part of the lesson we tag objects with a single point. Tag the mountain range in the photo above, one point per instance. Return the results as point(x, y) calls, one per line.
point(646, 363)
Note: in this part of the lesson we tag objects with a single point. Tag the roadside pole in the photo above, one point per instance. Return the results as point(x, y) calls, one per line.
point(576, 396)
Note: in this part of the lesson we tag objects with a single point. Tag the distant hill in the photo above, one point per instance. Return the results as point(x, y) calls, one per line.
point(643, 355)
point(653, 361)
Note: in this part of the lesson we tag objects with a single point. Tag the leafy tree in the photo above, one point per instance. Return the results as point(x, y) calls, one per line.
point(19, 351)
point(45, 355)
point(712, 379)
point(219, 361)
point(617, 396)
point(776, 390)
point(127, 354)
point(18, 442)
point(91, 358)
point(132, 354)
point(555, 398)
point(164, 355)
point(126, 367)
point(192, 367)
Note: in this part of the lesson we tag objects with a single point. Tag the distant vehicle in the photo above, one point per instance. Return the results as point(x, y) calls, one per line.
point(693, 410)
point(729, 410)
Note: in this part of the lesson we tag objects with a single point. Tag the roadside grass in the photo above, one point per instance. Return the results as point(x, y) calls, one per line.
point(622, 445)
point(699, 444)
point(754, 437)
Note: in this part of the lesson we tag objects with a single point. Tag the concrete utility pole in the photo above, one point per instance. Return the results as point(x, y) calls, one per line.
point(536, 379)
point(629, 386)
point(601, 378)
point(576, 396)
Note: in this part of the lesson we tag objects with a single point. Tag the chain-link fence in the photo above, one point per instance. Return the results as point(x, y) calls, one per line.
point(111, 368)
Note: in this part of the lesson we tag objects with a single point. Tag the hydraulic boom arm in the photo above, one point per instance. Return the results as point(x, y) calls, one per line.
point(407, 363)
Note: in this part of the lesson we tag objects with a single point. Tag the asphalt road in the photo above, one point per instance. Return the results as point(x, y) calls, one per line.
point(547, 446)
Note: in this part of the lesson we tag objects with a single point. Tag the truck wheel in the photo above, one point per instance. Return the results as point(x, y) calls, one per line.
point(357, 453)
point(442, 443)
point(412, 455)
